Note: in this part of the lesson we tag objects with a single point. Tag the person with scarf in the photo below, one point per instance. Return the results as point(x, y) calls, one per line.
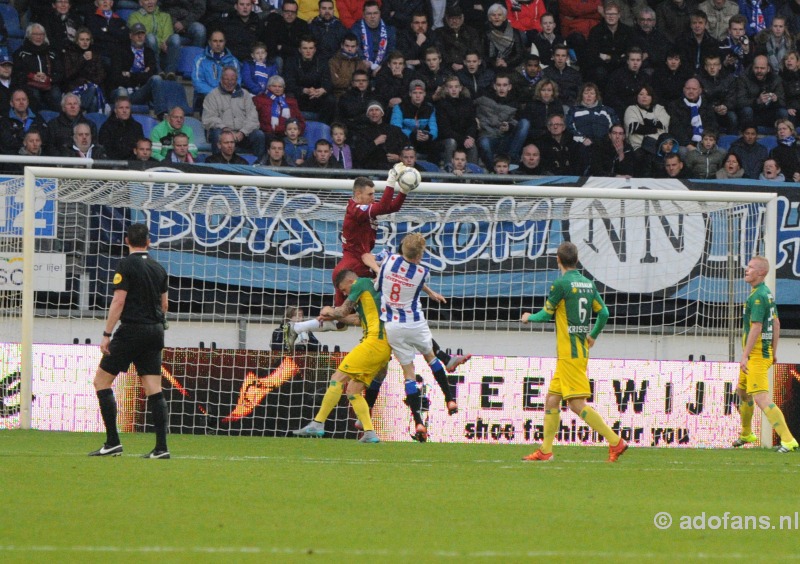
point(376, 38)
point(776, 42)
point(258, 69)
point(505, 46)
point(274, 108)
point(328, 30)
point(38, 67)
point(230, 107)
point(161, 37)
point(527, 76)
point(83, 146)
point(758, 13)
point(83, 72)
point(759, 94)
point(645, 118)
point(787, 151)
point(736, 50)
point(18, 120)
point(110, 32)
point(691, 115)
point(344, 63)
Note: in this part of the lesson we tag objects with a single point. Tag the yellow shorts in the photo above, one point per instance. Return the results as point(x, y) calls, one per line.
point(366, 359)
point(756, 380)
point(570, 380)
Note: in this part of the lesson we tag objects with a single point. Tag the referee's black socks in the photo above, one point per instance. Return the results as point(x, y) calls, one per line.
point(108, 409)
point(158, 407)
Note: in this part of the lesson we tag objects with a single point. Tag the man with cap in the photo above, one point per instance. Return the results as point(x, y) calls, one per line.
point(380, 143)
point(6, 71)
point(457, 39)
point(417, 118)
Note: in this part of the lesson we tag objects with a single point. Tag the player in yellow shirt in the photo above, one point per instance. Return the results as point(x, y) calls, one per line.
point(359, 366)
point(572, 299)
point(760, 333)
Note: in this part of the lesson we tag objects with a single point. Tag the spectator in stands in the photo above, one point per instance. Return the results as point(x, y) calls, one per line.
point(275, 155)
point(322, 157)
point(697, 44)
point(19, 119)
point(502, 164)
point(653, 158)
point(787, 151)
point(672, 17)
point(39, 68)
point(614, 156)
point(160, 36)
point(645, 119)
point(208, 66)
point(329, 32)
point(568, 79)
point(791, 11)
point(120, 132)
point(186, 15)
point(142, 156)
point(719, 89)
point(415, 38)
point(400, 13)
point(408, 156)
point(626, 82)
point(545, 103)
point(275, 108)
point(527, 76)
point(376, 38)
point(352, 107)
point(674, 168)
point(790, 75)
point(775, 42)
point(294, 144)
point(504, 45)
point(589, 120)
point(392, 81)
point(759, 94)
point(751, 153)
point(650, 40)
point(563, 155)
point(230, 107)
point(242, 28)
point(530, 163)
point(284, 32)
point(736, 49)
point(32, 144)
point(691, 115)
point(704, 161)
point(61, 24)
point(379, 145)
point(501, 129)
point(475, 77)
point(578, 17)
point(226, 149)
point(732, 168)
point(526, 16)
point(457, 39)
point(83, 73)
point(350, 11)
point(61, 128)
point(164, 133)
point(772, 171)
point(179, 153)
point(308, 79)
point(758, 14)
point(433, 74)
point(718, 13)
point(416, 117)
point(6, 80)
point(304, 341)
point(342, 152)
point(458, 163)
point(545, 40)
point(670, 77)
point(344, 63)
point(83, 146)
point(110, 32)
point(258, 69)
point(455, 116)
point(606, 46)
point(215, 11)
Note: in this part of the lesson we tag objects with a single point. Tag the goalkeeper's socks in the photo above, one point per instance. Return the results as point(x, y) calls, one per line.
point(414, 400)
point(332, 396)
point(362, 411)
point(778, 422)
point(441, 378)
point(552, 418)
point(746, 409)
point(108, 409)
point(596, 422)
point(158, 407)
point(309, 325)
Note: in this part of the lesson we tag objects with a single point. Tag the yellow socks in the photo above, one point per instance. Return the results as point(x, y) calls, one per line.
point(552, 417)
point(746, 409)
point(776, 419)
point(596, 422)
point(362, 410)
point(332, 396)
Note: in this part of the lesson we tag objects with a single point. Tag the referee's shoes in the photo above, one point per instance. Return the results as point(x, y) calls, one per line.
point(106, 450)
point(155, 453)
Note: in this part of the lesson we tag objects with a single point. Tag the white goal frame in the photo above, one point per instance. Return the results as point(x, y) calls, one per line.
point(32, 173)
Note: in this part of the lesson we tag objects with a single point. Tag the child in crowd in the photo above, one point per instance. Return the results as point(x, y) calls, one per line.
point(707, 158)
point(256, 72)
point(502, 164)
point(341, 150)
point(296, 145)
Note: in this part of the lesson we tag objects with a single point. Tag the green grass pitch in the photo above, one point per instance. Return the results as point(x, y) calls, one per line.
point(226, 499)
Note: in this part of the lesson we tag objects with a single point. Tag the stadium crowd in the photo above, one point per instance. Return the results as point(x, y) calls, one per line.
point(629, 88)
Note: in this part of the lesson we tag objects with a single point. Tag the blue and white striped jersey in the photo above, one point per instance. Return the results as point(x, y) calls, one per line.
point(399, 284)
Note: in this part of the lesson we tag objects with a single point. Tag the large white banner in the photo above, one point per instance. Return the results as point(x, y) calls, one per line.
point(49, 272)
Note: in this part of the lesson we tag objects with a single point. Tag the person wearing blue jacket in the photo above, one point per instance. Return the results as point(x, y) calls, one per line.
point(208, 67)
point(417, 118)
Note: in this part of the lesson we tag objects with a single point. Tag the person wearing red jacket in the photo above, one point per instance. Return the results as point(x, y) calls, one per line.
point(526, 16)
point(274, 107)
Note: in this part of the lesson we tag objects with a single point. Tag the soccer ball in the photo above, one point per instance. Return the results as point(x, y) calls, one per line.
point(409, 180)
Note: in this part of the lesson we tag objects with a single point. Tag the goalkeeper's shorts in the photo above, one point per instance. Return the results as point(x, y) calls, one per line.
point(570, 380)
point(366, 360)
point(756, 379)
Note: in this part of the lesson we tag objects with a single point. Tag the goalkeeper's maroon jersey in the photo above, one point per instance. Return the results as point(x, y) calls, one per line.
point(360, 222)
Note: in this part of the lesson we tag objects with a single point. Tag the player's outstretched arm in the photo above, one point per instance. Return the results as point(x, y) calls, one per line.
point(540, 316)
point(435, 296)
point(389, 202)
point(369, 260)
point(329, 313)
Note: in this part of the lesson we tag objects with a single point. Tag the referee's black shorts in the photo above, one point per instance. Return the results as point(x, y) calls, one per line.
point(137, 344)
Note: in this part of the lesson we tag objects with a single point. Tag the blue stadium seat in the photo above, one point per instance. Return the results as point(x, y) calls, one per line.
point(11, 19)
point(199, 134)
point(14, 43)
point(97, 118)
point(726, 141)
point(426, 166)
point(47, 115)
point(475, 169)
point(769, 142)
point(148, 123)
point(125, 14)
point(316, 130)
point(251, 159)
point(186, 60)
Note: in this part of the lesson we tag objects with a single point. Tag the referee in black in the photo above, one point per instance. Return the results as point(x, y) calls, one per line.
point(140, 303)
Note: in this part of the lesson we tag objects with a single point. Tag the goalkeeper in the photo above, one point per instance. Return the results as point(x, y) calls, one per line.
point(572, 298)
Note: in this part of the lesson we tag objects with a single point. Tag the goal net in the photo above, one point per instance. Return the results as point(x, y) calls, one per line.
point(241, 250)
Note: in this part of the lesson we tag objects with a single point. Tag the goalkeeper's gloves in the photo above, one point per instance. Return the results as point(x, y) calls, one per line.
point(394, 174)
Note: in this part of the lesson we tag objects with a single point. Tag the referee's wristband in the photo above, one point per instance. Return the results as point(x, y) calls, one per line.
point(106, 334)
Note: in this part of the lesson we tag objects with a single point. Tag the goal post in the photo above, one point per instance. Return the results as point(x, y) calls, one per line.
point(459, 218)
